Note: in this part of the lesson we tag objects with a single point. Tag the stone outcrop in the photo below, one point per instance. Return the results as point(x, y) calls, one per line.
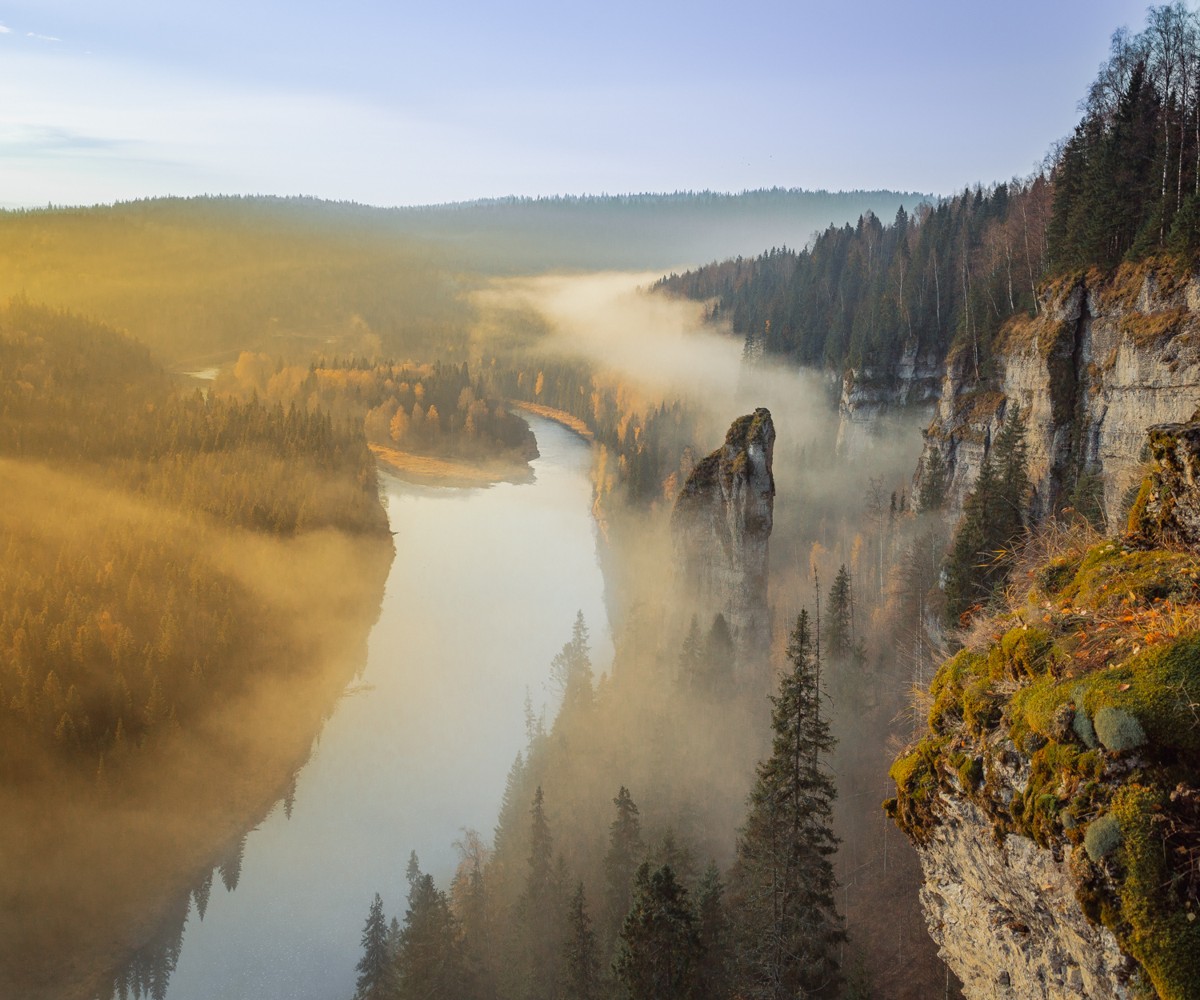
point(721, 527)
point(1104, 360)
point(1004, 912)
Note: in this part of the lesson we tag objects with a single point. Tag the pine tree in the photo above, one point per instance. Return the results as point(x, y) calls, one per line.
point(375, 965)
point(659, 949)
point(782, 884)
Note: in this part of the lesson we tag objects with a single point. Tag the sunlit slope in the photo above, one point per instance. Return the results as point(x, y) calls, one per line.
point(199, 279)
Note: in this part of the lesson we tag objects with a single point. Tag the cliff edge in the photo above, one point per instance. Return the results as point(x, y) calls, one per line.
point(1055, 797)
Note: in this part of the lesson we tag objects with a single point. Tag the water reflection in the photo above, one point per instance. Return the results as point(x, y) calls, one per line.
point(482, 594)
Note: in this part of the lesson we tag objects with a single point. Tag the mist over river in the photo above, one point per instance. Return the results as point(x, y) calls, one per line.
point(483, 592)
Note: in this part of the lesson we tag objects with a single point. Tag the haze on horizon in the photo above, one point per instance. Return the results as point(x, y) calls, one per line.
point(407, 104)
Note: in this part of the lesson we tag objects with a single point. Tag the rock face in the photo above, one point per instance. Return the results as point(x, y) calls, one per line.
point(1102, 362)
point(1169, 507)
point(870, 392)
point(721, 527)
point(1004, 913)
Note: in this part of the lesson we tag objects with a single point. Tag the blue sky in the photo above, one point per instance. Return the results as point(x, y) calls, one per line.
point(412, 103)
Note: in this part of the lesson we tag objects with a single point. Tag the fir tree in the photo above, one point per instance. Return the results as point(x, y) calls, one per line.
point(539, 908)
point(782, 882)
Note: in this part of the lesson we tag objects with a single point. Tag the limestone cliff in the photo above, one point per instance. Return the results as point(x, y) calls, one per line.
point(1055, 798)
point(873, 391)
point(1106, 357)
point(721, 527)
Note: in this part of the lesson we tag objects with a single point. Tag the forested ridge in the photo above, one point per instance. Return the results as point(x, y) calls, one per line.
point(944, 277)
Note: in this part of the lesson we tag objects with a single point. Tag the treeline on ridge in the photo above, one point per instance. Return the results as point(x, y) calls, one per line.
point(946, 277)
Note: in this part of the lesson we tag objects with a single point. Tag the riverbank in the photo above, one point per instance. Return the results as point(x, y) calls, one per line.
point(567, 420)
point(426, 470)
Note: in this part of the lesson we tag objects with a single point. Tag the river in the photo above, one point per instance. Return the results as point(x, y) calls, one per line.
point(483, 592)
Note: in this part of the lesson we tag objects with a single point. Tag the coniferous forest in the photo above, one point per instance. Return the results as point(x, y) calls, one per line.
point(217, 414)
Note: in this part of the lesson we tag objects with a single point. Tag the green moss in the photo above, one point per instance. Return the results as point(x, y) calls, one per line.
point(1024, 653)
point(915, 806)
point(948, 688)
point(1156, 929)
point(1158, 687)
point(1139, 521)
point(1111, 574)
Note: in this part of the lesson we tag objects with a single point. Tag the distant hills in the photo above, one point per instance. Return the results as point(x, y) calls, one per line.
point(200, 278)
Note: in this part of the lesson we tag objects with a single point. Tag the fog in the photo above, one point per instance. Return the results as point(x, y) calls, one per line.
point(100, 860)
point(831, 509)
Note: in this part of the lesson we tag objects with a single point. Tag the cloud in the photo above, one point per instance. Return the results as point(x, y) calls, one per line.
point(4, 30)
point(41, 140)
point(44, 38)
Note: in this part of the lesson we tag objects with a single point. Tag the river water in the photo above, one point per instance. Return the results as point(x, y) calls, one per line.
point(483, 592)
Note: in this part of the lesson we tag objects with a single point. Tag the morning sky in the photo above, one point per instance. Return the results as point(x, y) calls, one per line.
point(410, 103)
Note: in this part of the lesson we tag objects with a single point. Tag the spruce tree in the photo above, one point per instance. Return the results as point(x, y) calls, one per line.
point(932, 493)
point(839, 627)
point(374, 967)
point(539, 908)
point(782, 883)
point(428, 962)
point(625, 852)
point(581, 961)
point(993, 521)
point(713, 931)
point(659, 949)
point(571, 669)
